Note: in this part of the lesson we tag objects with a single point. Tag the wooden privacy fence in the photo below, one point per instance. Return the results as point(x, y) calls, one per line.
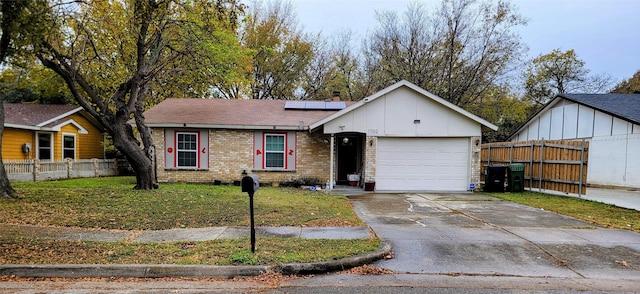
point(559, 165)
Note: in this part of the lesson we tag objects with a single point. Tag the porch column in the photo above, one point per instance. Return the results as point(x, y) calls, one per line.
point(331, 162)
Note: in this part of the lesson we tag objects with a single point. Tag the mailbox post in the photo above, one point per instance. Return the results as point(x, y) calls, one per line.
point(250, 184)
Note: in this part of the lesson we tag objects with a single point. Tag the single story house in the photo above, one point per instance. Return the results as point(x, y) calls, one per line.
point(611, 124)
point(50, 132)
point(402, 138)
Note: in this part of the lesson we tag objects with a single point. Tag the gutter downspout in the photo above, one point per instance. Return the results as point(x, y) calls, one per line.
point(331, 167)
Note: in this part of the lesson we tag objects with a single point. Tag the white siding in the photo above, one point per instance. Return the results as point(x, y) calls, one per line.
point(602, 124)
point(620, 127)
point(557, 116)
point(404, 113)
point(544, 125)
point(533, 131)
point(570, 121)
point(585, 121)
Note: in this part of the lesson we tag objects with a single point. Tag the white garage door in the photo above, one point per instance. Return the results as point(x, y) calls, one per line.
point(422, 164)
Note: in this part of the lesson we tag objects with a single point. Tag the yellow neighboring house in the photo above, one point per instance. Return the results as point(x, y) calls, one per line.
point(50, 133)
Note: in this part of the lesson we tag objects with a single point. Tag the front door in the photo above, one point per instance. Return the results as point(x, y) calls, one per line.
point(349, 157)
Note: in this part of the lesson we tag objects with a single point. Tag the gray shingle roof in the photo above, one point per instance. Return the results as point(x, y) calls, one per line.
point(624, 106)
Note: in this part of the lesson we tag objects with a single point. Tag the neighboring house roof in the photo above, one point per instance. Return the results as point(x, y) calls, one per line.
point(622, 106)
point(40, 117)
point(231, 114)
point(414, 87)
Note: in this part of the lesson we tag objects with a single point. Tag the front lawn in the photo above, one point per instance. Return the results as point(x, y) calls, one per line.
point(111, 203)
point(595, 212)
point(215, 252)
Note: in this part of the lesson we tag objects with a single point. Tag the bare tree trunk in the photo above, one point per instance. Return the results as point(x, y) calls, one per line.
point(6, 191)
point(141, 160)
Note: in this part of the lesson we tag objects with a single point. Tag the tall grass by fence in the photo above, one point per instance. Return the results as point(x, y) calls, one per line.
point(559, 165)
point(36, 170)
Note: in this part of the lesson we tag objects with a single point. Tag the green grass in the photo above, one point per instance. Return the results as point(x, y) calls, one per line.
point(595, 212)
point(112, 203)
point(217, 252)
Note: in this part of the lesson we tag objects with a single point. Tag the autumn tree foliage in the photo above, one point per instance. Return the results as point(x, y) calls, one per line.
point(457, 51)
point(119, 57)
point(281, 51)
point(629, 86)
point(560, 72)
point(11, 25)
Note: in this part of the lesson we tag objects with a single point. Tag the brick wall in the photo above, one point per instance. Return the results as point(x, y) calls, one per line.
point(231, 152)
point(475, 160)
point(370, 159)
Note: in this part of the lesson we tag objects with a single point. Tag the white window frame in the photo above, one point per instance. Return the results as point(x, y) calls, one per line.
point(196, 150)
point(283, 152)
point(38, 134)
point(75, 145)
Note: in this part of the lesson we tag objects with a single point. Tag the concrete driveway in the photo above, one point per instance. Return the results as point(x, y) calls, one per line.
point(471, 234)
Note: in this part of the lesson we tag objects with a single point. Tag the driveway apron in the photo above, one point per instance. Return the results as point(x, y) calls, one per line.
point(471, 234)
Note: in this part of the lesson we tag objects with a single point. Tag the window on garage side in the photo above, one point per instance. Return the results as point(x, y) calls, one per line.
point(187, 149)
point(274, 150)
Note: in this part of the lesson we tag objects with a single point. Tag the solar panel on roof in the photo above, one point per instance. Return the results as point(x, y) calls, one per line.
point(335, 105)
point(294, 105)
point(315, 105)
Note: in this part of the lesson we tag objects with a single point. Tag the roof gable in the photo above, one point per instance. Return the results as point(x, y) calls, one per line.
point(232, 114)
point(622, 106)
point(423, 92)
point(36, 114)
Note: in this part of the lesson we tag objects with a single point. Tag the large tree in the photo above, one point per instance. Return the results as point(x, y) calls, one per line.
point(458, 52)
point(119, 56)
point(560, 72)
point(11, 25)
point(335, 68)
point(281, 51)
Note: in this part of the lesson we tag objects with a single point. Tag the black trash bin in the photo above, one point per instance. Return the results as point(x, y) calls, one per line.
point(494, 178)
point(516, 177)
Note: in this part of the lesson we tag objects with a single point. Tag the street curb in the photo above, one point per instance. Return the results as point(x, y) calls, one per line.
point(129, 271)
point(336, 265)
point(184, 271)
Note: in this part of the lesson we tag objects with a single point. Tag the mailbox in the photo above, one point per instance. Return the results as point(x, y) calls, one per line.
point(250, 183)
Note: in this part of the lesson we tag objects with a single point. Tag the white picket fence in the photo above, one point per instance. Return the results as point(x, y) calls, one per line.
point(36, 170)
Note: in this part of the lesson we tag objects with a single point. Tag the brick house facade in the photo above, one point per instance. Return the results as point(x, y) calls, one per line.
point(401, 138)
point(231, 153)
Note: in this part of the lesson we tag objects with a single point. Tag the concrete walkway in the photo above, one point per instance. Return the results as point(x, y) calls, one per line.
point(622, 198)
point(177, 235)
point(619, 197)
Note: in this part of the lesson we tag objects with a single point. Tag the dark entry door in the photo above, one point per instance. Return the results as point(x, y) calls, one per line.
point(349, 153)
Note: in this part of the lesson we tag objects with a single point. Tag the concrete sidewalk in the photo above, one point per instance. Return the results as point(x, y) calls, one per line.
point(177, 235)
point(619, 197)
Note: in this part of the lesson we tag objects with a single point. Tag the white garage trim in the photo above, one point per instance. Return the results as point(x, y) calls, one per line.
point(423, 164)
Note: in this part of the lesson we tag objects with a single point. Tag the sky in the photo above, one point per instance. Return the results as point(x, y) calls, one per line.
point(605, 34)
